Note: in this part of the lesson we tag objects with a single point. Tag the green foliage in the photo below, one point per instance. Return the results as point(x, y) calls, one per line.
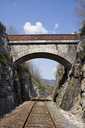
point(4, 58)
point(71, 82)
point(82, 51)
point(60, 72)
point(42, 87)
point(2, 29)
point(82, 30)
point(23, 68)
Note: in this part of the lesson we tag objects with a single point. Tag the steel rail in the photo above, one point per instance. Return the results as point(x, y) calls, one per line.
point(51, 116)
point(28, 115)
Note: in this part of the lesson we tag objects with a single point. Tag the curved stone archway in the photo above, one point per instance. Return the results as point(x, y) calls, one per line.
point(51, 56)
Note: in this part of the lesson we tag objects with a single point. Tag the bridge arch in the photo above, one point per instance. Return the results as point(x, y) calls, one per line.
point(47, 55)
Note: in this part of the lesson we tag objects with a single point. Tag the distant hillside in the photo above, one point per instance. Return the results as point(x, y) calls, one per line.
point(48, 82)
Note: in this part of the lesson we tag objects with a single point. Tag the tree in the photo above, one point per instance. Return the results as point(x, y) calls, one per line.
point(2, 29)
point(82, 30)
point(35, 73)
point(81, 8)
point(81, 11)
point(11, 30)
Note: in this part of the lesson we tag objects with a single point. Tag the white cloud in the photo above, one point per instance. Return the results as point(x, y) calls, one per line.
point(56, 26)
point(37, 28)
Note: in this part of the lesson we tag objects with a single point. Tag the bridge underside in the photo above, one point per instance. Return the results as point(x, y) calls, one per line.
point(54, 57)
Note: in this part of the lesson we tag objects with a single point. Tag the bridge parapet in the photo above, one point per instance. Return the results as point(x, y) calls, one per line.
point(47, 37)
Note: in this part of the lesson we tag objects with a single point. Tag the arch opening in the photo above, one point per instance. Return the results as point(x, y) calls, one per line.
point(45, 55)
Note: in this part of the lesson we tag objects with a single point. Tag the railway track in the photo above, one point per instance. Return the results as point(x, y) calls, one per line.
point(32, 114)
point(36, 114)
point(39, 117)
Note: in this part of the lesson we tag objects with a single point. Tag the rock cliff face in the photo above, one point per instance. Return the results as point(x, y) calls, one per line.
point(25, 86)
point(15, 83)
point(6, 81)
point(71, 95)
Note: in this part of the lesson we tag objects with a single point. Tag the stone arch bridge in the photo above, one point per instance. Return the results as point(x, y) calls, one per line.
point(58, 47)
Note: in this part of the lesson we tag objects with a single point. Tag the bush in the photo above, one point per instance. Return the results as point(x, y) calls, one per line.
point(2, 29)
point(82, 30)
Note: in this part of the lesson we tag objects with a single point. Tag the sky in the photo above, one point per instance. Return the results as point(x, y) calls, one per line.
point(46, 67)
point(55, 16)
point(40, 17)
